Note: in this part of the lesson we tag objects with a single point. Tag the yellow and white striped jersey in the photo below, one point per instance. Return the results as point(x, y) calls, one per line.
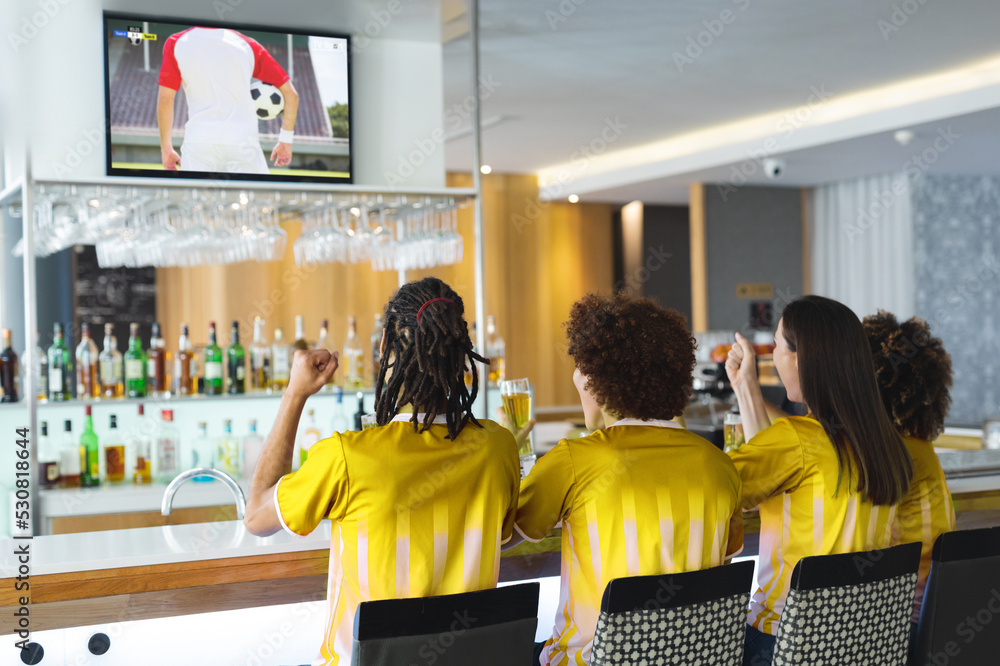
point(413, 514)
point(790, 471)
point(927, 512)
point(637, 498)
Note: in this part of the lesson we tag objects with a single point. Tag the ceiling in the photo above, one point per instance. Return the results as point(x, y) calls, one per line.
point(673, 113)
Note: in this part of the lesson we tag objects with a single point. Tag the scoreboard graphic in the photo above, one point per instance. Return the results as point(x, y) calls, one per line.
point(135, 35)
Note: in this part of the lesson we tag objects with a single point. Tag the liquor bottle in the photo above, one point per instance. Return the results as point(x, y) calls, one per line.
point(236, 361)
point(138, 442)
point(114, 453)
point(324, 342)
point(495, 348)
point(168, 444)
point(227, 451)
point(260, 358)
point(309, 436)
point(135, 364)
point(9, 390)
point(202, 452)
point(48, 459)
point(36, 362)
point(360, 412)
point(377, 348)
point(213, 364)
point(341, 423)
point(300, 335)
point(87, 361)
point(90, 450)
point(184, 365)
point(70, 458)
point(156, 364)
point(354, 358)
point(279, 362)
point(253, 446)
point(112, 379)
point(60, 368)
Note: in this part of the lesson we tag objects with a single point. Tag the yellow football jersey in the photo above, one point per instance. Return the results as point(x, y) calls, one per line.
point(927, 512)
point(790, 471)
point(637, 498)
point(413, 514)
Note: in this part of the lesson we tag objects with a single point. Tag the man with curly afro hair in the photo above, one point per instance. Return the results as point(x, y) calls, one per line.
point(641, 495)
point(914, 378)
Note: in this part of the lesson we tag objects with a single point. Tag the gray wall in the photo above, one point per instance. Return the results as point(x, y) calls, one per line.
point(957, 243)
point(752, 234)
point(667, 229)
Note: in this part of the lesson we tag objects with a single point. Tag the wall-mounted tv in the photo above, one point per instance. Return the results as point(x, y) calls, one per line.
point(188, 99)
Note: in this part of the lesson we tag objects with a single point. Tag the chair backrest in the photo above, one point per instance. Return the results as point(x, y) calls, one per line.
point(489, 627)
point(696, 617)
point(961, 607)
point(852, 608)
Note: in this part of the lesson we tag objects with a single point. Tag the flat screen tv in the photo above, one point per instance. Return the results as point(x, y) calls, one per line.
point(226, 101)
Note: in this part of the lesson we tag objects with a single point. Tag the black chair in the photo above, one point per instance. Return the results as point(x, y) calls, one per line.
point(696, 617)
point(961, 607)
point(853, 608)
point(489, 627)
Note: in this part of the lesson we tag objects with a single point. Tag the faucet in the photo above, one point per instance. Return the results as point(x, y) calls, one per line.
point(180, 479)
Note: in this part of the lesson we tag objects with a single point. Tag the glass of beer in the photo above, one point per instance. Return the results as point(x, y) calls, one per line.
point(732, 432)
point(368, 421)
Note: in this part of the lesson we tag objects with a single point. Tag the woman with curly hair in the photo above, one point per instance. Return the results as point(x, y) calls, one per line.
point(641, 495)
point(914, 377)
point(825, 483)
point(421, 504)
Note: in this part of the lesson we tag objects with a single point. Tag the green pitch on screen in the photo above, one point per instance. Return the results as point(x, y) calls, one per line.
point(278, 172)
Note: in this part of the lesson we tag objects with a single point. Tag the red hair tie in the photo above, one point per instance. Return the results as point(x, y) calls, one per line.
point(433, 300)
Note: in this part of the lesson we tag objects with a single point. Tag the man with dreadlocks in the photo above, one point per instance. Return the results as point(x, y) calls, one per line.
point(421, 504)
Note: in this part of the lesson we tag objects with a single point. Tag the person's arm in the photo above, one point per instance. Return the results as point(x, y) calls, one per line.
point(519, 435)
point(311, 370)
point(165, 121)
point(774, 412)
point(282, 153)
point(741, 366)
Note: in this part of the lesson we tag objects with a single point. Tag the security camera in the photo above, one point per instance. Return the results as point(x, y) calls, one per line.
point(774, 167)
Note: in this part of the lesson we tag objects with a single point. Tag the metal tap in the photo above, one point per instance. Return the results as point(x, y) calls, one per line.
point(228, 481)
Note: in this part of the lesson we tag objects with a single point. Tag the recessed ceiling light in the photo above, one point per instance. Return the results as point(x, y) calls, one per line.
point(486, 168)
point(573, 198)
point(903, 137)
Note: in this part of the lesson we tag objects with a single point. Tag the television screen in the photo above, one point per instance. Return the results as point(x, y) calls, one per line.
point(200, 100)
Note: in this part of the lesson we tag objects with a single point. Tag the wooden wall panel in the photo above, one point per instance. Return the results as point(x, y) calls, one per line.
point(540, 258)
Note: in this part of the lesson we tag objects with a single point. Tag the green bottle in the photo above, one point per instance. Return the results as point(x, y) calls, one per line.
point(60, 367)
point(135, 365)
point(90, 468)
point(236, 360)
point(213, 364)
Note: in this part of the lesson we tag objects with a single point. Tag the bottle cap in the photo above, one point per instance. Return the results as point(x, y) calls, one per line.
point(88, 410)
point(68, 426)
point(114, 421)
point(133, 329)
point(84, 330)
point(156, 329)
point(141, 409)
point(44, 426)
point(167, 414)
point(109, 329)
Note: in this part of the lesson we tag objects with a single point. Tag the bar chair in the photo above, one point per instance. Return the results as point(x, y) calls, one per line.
point(696, 617)
point(489, 627)
point(961, 601)
point(853, 608)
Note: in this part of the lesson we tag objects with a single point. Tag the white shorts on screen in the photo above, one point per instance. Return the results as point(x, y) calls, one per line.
point(223, 157)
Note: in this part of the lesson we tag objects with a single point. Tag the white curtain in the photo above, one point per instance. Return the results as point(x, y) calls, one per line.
point(861, 244)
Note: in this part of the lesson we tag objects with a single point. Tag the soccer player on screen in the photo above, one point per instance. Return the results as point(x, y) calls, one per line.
point(215, 66)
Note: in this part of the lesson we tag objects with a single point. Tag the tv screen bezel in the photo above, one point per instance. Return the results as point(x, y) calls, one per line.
point(217, 176)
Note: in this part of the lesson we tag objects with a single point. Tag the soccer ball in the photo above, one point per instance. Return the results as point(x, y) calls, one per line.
point(135, 39)
point(268, 102)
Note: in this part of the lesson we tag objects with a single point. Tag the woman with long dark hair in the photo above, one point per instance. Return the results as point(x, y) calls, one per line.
point(421, 504)
point(825, 483)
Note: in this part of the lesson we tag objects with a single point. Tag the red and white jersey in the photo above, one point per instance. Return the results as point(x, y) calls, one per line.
point(215, 66)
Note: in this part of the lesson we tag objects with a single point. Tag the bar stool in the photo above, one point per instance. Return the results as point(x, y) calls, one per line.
point(696, 617)
point(852, 608)
point(961, 601)
point(489, 627)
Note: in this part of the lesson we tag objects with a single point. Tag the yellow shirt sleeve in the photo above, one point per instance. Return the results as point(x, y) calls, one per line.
point(769, 464)
point(546, 493)
point(318, 490)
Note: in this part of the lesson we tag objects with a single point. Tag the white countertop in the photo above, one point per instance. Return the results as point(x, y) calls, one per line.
point(145, 546)
point(129, 498)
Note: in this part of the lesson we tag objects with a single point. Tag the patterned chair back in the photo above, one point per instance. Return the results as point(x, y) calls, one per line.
point(697, 618)
point(853, 608)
